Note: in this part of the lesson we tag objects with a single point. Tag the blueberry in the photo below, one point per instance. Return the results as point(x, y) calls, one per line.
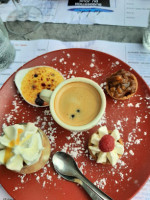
point(39, 101)
point(72, 116)
point(35, 75)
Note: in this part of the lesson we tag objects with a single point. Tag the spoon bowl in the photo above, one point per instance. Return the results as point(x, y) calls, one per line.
point(65, 165)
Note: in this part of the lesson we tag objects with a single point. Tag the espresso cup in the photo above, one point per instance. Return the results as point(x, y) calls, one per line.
point(76, 104)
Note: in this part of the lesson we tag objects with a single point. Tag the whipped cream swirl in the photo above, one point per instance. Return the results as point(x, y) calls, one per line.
point(20, 145)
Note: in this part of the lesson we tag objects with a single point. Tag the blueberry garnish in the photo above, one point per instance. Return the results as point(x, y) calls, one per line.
point(39, 101)
point(35, 75)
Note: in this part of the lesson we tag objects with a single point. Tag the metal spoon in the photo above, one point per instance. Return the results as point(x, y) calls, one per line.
point(83, 185)
point(65, 165)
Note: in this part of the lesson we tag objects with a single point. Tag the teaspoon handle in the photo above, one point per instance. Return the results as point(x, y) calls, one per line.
point(92, 190)
point(87, 189)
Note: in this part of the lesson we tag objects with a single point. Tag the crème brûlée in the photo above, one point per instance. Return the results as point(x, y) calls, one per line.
point(106, 147)
point(35, 80)
point(24, 148)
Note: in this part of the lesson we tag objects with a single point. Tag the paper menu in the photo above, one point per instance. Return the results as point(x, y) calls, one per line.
point(133, 54)
point(125, 12)
point(92, 3)
point(87, 2)
point(144, 194)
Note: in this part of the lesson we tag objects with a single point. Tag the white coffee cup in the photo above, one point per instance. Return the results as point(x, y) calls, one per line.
point(50, 96)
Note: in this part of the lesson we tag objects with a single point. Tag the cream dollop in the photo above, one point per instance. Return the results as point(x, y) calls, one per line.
point(112, 156)
point(20, 144)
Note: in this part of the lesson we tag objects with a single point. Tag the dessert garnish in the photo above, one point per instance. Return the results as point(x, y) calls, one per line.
point(31, 81)
point(107, 143)
point(24, 148)
point(106, 146)
point(121, 85)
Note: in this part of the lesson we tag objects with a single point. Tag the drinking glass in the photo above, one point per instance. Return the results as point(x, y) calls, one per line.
point(7, 51)
point(23, 14)
point(146, 35)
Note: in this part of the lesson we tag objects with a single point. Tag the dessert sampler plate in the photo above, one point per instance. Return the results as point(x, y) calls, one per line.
point(131, 117)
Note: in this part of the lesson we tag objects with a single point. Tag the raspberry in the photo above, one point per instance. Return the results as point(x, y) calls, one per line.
point(107, 143)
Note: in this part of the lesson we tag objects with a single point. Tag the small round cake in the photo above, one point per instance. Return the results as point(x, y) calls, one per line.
point(106, 147)
point(121, 85)
point(24, 148)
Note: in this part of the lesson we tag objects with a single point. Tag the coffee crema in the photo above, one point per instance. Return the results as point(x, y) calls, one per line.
point(77, 103)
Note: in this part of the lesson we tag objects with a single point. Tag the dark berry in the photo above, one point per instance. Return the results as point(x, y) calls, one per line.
point(72, 116)
point(39, 101)
point(35, 75)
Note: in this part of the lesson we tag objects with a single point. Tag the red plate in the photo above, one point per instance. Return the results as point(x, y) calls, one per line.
point(131, 117)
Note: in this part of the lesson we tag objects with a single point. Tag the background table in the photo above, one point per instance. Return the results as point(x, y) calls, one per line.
point(74, 32)
point(68, 32)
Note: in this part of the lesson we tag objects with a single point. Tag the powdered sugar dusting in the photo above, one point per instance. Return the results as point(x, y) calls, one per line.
point(92, 65)
point(75, 148)
point(126, 116)
point(100, 183)
point(131, 152)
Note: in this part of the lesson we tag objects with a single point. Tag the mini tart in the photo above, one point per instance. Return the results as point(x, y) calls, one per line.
point(43, 158)
point(121, 85)
point(95, 156)
point(24, 148)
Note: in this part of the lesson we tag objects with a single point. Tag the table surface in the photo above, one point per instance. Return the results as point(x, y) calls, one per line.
point(71, 32)
point(75, 32)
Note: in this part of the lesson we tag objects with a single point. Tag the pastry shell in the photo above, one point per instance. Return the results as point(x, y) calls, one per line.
point(125, 97)
point(45, 154)
point(95, 156)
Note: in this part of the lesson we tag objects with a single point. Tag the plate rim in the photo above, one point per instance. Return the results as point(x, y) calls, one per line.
point(88, 50)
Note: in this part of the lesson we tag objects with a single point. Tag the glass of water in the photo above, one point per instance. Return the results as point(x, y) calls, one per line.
point(24, 14)
point(146, 35)
point(7, 51)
